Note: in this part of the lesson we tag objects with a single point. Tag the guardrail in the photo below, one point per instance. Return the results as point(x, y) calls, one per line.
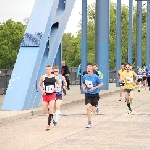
point(74, 80)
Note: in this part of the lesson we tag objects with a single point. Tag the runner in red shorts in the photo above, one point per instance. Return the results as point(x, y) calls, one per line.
point(48, 92)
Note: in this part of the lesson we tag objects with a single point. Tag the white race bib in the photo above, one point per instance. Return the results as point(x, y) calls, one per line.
point(140, 76)
point(129, 80)
point(149, 73)
point(89, 84)
point(49, 89)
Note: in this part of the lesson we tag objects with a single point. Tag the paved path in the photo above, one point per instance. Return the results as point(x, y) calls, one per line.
point(113, 128)
point(72, 96)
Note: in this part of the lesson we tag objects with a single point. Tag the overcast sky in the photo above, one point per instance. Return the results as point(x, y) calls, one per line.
point(19, 9)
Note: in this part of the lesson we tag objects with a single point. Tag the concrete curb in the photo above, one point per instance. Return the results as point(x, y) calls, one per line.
point(37, 111)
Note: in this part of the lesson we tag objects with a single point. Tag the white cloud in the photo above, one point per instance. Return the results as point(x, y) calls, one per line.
point(19, 9)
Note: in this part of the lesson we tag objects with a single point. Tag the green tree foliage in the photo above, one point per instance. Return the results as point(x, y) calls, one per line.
point(11, 34)
point(10, 37)
point(75, 47)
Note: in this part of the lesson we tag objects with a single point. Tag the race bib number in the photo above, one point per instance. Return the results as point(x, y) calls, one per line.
point(149, 73)
point(89, 84)
point(129, 80)
point(140, 76)
point(49, 89)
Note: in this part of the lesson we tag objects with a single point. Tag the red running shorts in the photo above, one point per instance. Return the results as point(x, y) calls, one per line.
point(48, 98)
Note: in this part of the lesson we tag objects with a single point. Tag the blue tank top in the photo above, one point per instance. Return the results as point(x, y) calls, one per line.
point(59, 90)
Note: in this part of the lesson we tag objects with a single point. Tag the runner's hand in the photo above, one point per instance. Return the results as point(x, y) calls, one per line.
point(92, 89)
point(43, 92)
point(84, 89)
point(64, 87)
point(55, 89)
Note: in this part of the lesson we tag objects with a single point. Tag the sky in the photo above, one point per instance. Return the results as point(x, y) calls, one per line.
point(19, 9)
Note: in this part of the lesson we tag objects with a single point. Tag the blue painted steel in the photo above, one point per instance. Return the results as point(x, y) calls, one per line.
point(30, 64)
point(103, 18)
point(84, 39)
point(118, 42)
point(130, 31)
point(58, 58)
point(148, 35)
point(139, 47)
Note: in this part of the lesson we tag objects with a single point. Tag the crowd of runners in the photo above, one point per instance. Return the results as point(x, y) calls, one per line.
point(53, 84)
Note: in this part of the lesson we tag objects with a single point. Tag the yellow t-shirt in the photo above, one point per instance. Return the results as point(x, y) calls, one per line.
point(129, 82)
point(120, 72)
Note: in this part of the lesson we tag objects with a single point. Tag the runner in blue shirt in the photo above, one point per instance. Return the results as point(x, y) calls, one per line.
point(148, 75)
point(91, 84)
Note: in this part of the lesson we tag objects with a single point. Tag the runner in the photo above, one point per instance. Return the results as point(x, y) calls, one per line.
point(95, 67)
point(91, 84)
point(140, 76)
point(58, 93)
point(144, 76)
point(121, 83)
point(95, 72)
point(148, 75)
point(128, 77)
point(48, 92)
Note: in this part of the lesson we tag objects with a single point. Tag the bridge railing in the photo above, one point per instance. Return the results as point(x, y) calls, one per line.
point(74, 79)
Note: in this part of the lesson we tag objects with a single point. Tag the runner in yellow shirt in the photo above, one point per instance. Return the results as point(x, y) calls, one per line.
point(121, 83)
point(128, 78)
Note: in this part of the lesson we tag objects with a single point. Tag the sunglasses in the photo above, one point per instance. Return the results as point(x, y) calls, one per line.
point(55, 71)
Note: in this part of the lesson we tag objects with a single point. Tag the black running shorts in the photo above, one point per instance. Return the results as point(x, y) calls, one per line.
point(58, 97)
point(92, 99)
point(139, 80)
point(128, 90)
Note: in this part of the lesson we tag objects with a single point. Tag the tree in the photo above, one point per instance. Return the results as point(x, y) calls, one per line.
point(112, 44)
point(10, 37)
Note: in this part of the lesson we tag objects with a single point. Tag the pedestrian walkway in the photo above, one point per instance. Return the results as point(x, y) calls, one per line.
point(113, 128)
point(72, 96)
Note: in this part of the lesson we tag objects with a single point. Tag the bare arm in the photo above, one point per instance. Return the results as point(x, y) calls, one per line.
point(122, 78)
point(64, 81)
point(99, 86)
point(135, 75)
point(58, 81)
point(39, 84)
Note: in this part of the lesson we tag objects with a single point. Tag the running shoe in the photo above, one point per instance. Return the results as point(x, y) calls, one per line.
point(89, 125)
point(130, 111)
point(47, 128)
point(54, 122)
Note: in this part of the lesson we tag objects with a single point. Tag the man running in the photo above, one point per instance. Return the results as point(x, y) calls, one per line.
point(120, 72)
point(58, 93)
point(48, 92)
point(128, 78)
point(148, 75)
point(140, 76)
point(91, 84)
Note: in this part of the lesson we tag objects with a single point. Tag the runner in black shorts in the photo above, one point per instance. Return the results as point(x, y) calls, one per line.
point(58, 93)
point(91, 84)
